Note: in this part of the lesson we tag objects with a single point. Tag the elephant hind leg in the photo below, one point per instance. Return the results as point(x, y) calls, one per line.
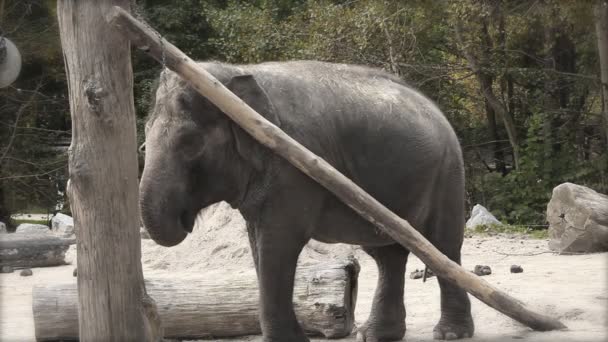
point(386, 321)
point(446, 232)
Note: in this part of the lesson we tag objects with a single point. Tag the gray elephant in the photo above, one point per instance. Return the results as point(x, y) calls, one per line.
point(380, 133)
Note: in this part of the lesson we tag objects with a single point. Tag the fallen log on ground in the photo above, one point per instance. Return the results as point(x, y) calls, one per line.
point(33, 250)
point(266, 133)
point(217, 304)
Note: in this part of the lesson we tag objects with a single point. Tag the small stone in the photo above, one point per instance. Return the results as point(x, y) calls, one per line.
point(480, 216)
point(26, 272)
point(6, 269)
point(482, 270)
point(75, 273)
point(417, 274)
point(516, 269)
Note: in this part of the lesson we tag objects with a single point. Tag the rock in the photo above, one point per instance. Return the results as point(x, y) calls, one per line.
point(143, 233)
point(482, 270)
point(62, 225)
point(3, 228)
point(417, 274)
point(481, 216)
point(516, 269)
point(29, 228)
point(26, 272)
point(75, 273)
point(6, 269)
point(578, 219)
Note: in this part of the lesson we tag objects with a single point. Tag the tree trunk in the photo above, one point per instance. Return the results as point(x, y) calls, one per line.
point(219, 304)
point(601, 28)
point(488, 94)
point(5, 214)
point(550, 105)
point(497, 153)
point(318, 169)
point(33, 250)
point(103, 190)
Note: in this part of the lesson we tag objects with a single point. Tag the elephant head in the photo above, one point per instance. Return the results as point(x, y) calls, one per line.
point(195, 156)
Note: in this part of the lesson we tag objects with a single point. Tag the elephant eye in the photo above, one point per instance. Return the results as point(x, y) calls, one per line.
point(191, 146)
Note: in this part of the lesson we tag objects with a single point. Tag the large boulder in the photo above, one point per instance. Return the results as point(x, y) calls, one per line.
point(31, 228)
point(480, 216)
point(578, 219)
point(62, 225)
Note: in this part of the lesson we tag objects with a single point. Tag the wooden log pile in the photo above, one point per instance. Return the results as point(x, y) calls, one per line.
point(218, 304)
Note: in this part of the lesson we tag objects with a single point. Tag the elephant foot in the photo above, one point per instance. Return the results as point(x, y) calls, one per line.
point(381, 332)
point(453, 329)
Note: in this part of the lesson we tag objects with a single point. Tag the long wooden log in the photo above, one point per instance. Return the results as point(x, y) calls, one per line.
point(33, 250)
point(218, 304)
point(146, 39)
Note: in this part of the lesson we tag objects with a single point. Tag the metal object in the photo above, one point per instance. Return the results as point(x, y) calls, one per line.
point(10, 62)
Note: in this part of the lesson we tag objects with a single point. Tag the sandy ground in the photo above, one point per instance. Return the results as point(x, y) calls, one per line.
point(572, 288)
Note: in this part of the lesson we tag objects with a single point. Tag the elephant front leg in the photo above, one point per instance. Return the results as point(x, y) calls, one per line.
point(277, 256)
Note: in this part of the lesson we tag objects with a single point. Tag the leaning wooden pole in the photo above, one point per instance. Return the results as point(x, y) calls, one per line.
point(278, 141)
point(112, 302)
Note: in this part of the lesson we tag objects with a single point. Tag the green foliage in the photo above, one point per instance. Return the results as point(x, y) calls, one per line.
point(495, 229)
point(541, 58)
point(43, 222)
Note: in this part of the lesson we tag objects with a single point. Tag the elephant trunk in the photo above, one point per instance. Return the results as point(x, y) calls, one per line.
point(162, 213)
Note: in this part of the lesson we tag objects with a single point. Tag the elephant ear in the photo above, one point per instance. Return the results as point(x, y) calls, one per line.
point(248, 89)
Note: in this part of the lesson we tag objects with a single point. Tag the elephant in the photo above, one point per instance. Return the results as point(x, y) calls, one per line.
point(370, 125)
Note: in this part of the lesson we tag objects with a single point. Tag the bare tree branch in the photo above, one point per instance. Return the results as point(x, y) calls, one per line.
point(19, 113)
point(488, 93)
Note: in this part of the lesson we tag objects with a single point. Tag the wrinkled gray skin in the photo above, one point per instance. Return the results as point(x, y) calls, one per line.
point(377, 131)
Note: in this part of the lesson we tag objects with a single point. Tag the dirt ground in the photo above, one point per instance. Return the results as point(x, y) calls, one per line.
point(572, 288)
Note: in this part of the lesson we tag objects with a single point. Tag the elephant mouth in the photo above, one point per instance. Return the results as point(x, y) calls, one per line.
point(187, 220)
point(169, 233)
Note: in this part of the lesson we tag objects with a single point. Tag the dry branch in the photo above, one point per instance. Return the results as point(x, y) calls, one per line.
point(143, 37)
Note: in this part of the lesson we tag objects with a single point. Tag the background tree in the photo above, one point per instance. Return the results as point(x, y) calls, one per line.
point(541, 124)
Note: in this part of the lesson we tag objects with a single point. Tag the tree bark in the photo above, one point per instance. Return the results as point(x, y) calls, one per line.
point(112, 302)
point(601, 28)
point(218, 304)
point(33, 250)
point(318, 169)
